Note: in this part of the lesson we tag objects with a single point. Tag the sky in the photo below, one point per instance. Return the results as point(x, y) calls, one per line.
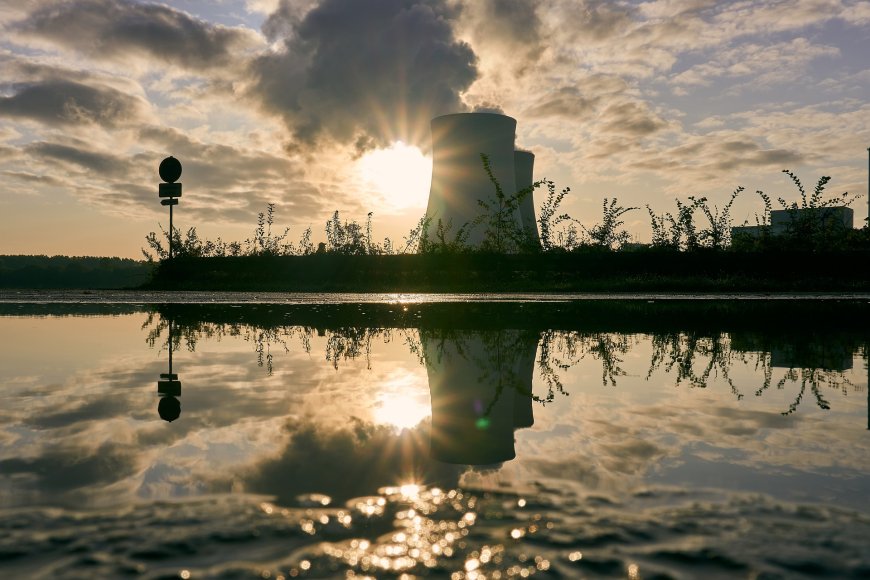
point(324, 105)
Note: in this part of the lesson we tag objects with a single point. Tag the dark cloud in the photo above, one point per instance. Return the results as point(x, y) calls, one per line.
point(8, 153)
point(353, 69)
point(566, 102)
point(610, 146)
point(510, 27)
point(586, 472)
point(282, 23)
point(758, 419)
point(595, 20)
point(347, 462)
point(715, 152)
point(739, 145)
point(222, 181)
point(762, 157)
point(112, 29)
point(65, 102)
point(215, 165)
point(62, 470)
point(630, 118)
point(514, 19)
point(249, 178)
point(630, 456)
point(89, 412)
point(32, 177)
point(102, 164)
point(581, 100)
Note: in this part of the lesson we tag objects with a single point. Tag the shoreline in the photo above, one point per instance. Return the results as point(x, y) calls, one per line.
point(168, 296)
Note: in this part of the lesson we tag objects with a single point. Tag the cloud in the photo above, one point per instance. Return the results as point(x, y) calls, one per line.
point(630, 456)
point(765, 64)
point(857, 15)
point(227, 182)
point(652, 37)
point(365, 74)
point(512, 21)
point(718, 151)
point(750, 17)
point(567, 102)
point(59, 102)
point(756, 157)
point(9, 153)
point(593, 20)
point(101, 163)
point(234, 182)
point(508, 34)
point(62, 469)
point(663, 9)
point(30, 177)
point(112, 30)
point(632, 118)
point(347, 461)
point(283, 18)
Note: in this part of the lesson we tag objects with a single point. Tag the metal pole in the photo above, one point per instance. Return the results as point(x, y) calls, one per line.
point(170, 343)
point(170, 232)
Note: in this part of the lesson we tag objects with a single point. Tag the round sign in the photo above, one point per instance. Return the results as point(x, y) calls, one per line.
point(170, 170)
point(169, 409)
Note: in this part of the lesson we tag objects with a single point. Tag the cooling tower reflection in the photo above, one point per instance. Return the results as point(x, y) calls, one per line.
point(481, 387)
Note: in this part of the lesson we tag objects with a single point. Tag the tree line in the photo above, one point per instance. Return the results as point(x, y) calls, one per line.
point(42, 271)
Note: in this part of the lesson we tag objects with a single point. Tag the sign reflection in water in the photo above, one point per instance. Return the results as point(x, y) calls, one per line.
point(169, 386)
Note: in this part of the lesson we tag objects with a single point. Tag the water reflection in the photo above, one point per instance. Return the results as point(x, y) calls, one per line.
point(784, 362)
point(169, 386)
point(481, 390)
point(484, 384)
point(481, 381)
point(459, 438)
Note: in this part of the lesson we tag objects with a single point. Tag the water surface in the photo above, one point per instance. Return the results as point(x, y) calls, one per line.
point(434, 437)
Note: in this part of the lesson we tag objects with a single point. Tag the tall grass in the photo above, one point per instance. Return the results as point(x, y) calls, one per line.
point(811, 225)
point(680, 230)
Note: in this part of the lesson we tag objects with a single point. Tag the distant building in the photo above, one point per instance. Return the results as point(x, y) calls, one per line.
point(790, 352)
point(746, 232)
point(828, 217)
point(783, 220)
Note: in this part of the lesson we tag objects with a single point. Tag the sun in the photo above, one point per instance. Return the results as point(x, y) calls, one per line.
point(400, 173)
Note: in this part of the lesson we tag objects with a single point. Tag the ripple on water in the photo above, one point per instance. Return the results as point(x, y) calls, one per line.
point(416, 531)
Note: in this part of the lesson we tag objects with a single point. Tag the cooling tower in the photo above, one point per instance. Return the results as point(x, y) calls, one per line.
point(458, 177)
point(524, 167)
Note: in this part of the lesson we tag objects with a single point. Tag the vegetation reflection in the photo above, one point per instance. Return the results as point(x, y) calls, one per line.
point(485, 376)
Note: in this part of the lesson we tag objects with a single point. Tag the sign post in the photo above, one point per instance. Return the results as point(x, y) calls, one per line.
point(169, 191)
point(169, 388)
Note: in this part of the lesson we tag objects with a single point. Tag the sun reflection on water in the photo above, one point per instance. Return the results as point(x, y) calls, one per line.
point(402, 402)
point(431, 533)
